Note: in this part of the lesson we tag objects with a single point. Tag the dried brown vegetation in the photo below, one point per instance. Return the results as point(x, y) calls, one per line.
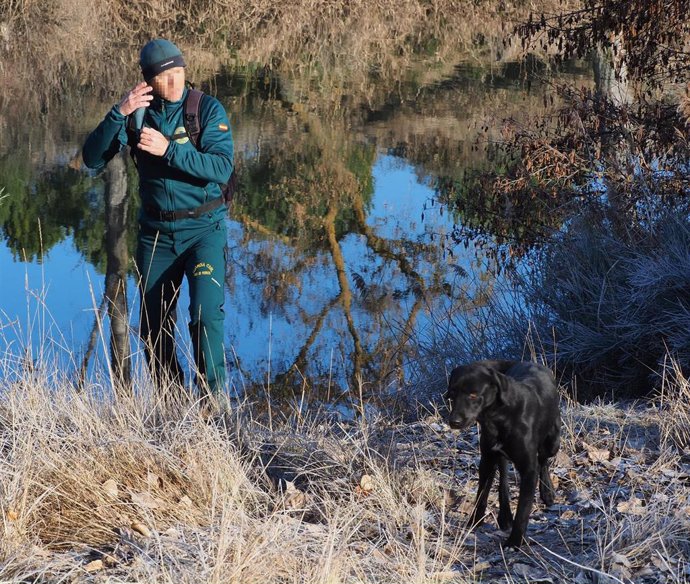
point(625, 137)
point(50, 44)
point(96, 490)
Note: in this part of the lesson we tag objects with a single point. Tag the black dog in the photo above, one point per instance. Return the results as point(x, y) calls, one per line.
point(516, 405)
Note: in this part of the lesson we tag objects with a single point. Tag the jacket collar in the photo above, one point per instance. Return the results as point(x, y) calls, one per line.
point(158, 102)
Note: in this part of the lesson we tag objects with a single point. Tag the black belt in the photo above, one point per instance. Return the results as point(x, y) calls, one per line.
point(160, 215)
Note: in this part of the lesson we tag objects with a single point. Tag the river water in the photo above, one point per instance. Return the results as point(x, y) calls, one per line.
point(301, 309)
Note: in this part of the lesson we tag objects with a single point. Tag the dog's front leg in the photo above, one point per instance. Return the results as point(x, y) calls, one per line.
point(487, 472)
point(528, 484)
point(505, 516)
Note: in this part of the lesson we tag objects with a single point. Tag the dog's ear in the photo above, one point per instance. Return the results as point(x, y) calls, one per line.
point(504, 385)
point(454, 374)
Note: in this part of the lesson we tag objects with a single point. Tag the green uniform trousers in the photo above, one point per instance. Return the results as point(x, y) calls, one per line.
point(163, 259)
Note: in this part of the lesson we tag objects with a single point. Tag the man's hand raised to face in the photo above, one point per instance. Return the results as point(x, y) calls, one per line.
point(138, 97)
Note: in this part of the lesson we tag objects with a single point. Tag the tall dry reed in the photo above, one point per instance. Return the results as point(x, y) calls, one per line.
point(51, 44)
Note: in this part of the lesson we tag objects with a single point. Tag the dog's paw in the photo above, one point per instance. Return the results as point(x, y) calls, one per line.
point(513, 541)
point(505, 523)
point(548, 497)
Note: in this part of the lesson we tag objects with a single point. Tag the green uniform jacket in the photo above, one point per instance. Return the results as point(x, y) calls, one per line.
point(185, 177)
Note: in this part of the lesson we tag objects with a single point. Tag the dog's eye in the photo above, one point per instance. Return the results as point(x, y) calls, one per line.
point(473, 396)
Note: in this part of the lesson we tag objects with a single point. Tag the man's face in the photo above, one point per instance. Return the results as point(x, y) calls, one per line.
point(169, 84)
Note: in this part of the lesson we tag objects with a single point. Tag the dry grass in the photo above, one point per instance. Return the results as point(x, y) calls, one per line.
point(674, 398)
point(48, 44)
point(615, 303)
point(98, 489)
point(162, 494)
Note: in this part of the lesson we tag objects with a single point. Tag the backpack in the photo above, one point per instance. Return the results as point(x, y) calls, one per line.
point(191, 126)
point(190, 119)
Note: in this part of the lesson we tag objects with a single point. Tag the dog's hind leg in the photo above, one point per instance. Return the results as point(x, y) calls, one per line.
point(487, 472)
point(547, 450)
point(546, 489)
point(505, 515)
point(528, 484)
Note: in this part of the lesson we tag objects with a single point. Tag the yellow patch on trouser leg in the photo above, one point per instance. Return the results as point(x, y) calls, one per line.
point(202, 269)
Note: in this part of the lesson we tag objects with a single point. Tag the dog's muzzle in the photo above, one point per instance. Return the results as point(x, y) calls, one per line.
point(459, 423)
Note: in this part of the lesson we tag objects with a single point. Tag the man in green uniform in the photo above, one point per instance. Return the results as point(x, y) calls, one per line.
point(182, 230)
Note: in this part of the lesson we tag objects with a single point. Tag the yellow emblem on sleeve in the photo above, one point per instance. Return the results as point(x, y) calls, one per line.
point(223, 127)
point(180, 131)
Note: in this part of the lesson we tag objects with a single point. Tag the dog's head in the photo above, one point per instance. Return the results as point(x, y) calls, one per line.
point(471, 390)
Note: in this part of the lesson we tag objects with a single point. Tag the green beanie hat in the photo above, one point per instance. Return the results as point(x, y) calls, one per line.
point(157, 56)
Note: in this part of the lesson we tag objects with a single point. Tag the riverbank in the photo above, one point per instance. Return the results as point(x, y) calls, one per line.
point(96, 490)
point(46, 46)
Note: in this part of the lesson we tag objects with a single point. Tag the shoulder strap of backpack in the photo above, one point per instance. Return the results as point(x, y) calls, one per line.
point(193, 129)
point(130, 124)
point(130, 128)
point(191, 115)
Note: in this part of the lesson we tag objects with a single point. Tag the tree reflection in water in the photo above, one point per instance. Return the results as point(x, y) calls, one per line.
point(311, 194)
point(116, 204)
